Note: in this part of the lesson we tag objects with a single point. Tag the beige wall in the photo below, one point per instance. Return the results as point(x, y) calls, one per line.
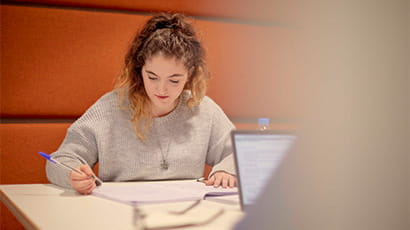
point(351, 167)
point(356, 119)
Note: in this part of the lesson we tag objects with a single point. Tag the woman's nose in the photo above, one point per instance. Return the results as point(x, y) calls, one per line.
point(162, 87)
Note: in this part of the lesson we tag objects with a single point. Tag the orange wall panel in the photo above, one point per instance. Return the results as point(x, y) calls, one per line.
point(20, 162)
point(56, 63)
point(266, 11)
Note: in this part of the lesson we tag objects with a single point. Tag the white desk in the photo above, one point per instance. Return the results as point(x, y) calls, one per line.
point(45, 206)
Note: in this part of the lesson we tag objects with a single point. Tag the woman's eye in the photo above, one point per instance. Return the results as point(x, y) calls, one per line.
point(152, 78)
point(174, 81)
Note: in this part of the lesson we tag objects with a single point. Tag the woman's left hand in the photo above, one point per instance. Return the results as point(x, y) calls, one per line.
point(222, 179)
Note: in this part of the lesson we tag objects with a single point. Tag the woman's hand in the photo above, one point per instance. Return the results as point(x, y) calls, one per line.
point(222, 178)
point(83, 183)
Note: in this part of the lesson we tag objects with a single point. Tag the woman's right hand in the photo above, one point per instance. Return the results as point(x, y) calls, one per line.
point(83, 183)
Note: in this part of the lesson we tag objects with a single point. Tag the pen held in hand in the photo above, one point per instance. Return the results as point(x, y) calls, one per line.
point(49, 158)
point(202, 180)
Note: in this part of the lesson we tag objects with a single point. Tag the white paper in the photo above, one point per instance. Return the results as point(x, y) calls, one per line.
point(161, 192)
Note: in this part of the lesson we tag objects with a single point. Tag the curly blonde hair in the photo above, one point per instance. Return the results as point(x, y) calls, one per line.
point(172, 36)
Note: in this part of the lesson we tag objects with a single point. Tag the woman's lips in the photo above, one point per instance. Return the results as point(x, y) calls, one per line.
point(161, 97)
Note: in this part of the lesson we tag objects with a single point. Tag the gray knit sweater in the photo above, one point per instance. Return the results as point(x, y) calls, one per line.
point(187, 138)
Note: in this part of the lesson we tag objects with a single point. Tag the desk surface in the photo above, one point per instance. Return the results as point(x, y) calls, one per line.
point(46, 206)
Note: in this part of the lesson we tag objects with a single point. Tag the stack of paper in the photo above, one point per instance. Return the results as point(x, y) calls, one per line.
point(161, 192)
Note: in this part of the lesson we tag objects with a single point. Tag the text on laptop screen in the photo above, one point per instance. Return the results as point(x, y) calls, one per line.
point(257, 157)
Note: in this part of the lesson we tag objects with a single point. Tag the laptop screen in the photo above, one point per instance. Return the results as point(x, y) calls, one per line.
point(257, 156)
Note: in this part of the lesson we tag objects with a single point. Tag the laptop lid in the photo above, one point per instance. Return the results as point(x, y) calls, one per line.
point(257, 156)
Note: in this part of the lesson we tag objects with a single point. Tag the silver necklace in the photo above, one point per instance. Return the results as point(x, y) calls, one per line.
point(164, 162)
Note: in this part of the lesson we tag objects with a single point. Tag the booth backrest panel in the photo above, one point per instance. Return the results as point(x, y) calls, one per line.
point(244, 10)
point(20, 143)
point(64, 60)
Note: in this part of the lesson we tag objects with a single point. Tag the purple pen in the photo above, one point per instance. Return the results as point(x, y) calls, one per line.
point(49, 158)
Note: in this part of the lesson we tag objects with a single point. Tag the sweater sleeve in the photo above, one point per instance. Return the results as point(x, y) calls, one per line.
point(220, 152)
point(79, 147)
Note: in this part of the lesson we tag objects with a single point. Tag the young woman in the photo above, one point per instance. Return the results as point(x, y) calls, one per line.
point(157, 124)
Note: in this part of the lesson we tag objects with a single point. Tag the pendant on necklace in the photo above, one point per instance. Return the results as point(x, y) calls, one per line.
point(164, 164)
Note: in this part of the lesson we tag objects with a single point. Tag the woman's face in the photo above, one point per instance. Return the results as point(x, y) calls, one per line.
point(164, 79)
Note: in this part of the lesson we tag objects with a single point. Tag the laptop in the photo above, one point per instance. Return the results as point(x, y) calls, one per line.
point(258, 155)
